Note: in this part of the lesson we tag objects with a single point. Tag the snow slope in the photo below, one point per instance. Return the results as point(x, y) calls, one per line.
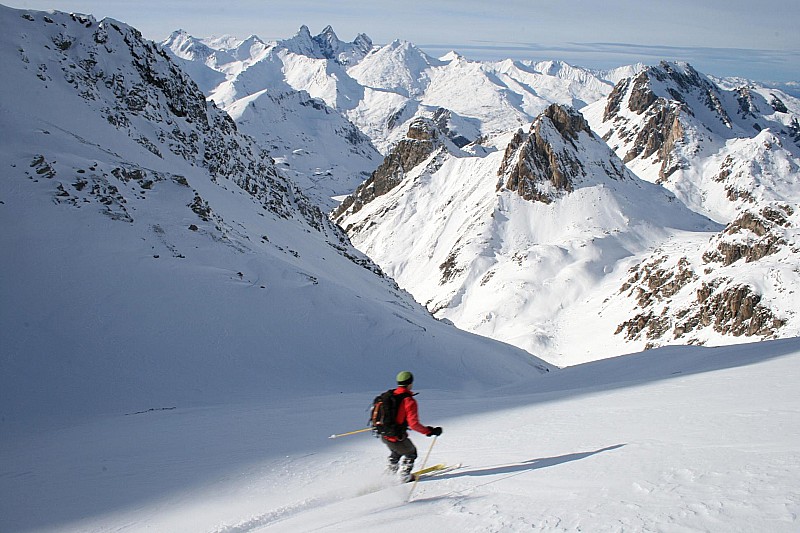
point(325, 155)
point(674, 439)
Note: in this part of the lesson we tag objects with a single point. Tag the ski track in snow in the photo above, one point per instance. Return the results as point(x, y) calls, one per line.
point(274, 516)
point(286, 512)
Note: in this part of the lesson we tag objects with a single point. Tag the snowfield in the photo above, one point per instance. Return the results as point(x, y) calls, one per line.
point(676, 439)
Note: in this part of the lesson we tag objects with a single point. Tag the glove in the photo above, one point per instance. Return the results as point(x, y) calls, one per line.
point(434, 431)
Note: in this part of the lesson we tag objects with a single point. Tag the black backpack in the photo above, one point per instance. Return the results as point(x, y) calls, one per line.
point(383, 414)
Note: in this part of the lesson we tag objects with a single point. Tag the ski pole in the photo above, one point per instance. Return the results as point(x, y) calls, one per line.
point(424, 462)
point(336, 436)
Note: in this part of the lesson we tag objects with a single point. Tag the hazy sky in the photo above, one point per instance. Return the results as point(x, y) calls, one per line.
point(757, 39)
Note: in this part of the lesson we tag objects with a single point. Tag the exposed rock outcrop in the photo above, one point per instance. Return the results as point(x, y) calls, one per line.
point(665, 96)
point(327, 45)
point(662, 129)
point(651, 281)
point(731, 310)
point(547, 161)
point(752, 236)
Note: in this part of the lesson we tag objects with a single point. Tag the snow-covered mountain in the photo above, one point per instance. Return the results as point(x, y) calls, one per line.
point(323, 152)
point(726, 153)
point(382, 89)
point(727, 149)
point(720, 150)
point(157, 256)
point(536, 235)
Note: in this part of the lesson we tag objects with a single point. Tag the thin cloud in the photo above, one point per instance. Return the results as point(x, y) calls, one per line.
point(759, 64)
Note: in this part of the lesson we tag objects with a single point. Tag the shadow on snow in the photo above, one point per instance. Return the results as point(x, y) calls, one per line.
point(515, 469)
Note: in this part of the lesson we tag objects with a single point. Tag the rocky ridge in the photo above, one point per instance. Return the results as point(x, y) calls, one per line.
point(382, 89)
point(423, 139)
point(730, 153)
point(152, 102)
point(675, 126)
point(547, 161)
point(326, 45)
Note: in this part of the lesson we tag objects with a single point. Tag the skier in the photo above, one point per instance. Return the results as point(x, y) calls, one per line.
point(401, 446)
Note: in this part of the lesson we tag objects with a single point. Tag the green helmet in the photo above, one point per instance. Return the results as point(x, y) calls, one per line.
point(405, 378)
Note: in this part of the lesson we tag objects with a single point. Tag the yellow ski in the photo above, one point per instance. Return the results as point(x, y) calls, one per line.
point(427, 470)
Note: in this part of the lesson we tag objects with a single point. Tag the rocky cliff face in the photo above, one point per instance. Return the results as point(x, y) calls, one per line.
point(661, 127)
point(754, 235)
point(549, 160)
point(162, 109)
point(343, 53)
point(734, 288)
point(422, 140)
point(673, 125)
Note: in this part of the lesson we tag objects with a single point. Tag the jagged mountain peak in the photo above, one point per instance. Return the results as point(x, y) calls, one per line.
point(566, 120)
point(212, 52)
point(301, 43)
point(304, 32)
point(328, 42)
point(450, 56)
point(251, 41)
point(327, 45)
point(186, 46)
point(402, 48)
point(559, 153)
point(681, 72)
point(179, 33)
point(681, 87)
point(329, 35)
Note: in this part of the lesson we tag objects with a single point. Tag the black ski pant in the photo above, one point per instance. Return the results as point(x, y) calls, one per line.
point(402, 448)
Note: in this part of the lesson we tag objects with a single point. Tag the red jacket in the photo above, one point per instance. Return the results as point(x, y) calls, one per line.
point(407, 412)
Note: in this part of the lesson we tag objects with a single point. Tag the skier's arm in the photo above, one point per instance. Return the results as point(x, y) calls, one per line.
point(412, 418)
